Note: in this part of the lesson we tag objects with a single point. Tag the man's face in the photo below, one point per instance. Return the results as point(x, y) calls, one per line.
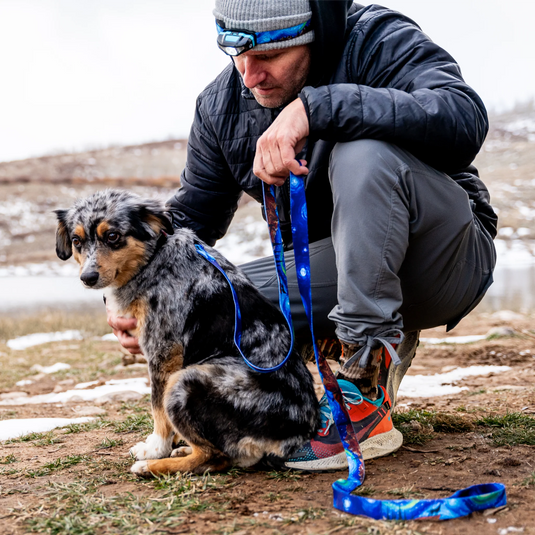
point(274, 77)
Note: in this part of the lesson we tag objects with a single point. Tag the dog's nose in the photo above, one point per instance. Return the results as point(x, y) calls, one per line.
point(90, 278)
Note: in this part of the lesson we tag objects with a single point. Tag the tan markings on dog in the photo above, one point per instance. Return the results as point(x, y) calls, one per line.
point(174, 361)
point(102, 229)
point(121, 265)
point(62, 232)
point(155, 223)
point(251, 450)
point(162, 425)
point(79, 257)
point(80, 232)
point(201, 459)
point(137, 309)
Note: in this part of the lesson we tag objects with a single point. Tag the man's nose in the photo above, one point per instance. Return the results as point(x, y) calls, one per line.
point(253, 73)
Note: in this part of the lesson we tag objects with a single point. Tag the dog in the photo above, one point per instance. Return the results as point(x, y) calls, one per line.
point(202, 391)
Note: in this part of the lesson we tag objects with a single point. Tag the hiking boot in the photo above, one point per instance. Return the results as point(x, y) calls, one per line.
point(373, 425)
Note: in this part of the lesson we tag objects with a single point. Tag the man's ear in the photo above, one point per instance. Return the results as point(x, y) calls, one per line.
point(63, 239)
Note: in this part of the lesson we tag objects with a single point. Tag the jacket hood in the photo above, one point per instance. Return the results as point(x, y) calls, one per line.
point(329, 20)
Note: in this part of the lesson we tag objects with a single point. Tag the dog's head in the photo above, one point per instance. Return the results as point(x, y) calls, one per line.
point(111, 234)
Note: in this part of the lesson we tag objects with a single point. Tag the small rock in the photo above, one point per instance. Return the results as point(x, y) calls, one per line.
point(90, 411)
point(493, 472)
point(58, 389)
point(74, 399)
point(415, 426)
point(508, 387)
point(129, 360)
point(13, 395)
point(125, 395)
point(66, 382)
point(507, 315)
point(499, 332)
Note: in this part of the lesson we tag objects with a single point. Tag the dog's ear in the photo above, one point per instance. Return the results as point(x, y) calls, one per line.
point(63, 239)
point(155, 215)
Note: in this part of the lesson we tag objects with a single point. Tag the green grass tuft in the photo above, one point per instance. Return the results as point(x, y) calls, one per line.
point(511, 429)
point(8, 459)
point(59, 464)
point(79, 508)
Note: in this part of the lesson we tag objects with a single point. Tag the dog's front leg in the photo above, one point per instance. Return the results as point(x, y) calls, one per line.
point(159, 444)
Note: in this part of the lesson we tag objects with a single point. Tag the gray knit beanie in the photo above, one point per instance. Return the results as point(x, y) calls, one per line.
point(266, 15)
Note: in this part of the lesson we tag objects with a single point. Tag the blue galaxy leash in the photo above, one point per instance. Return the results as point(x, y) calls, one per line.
point(462, 502)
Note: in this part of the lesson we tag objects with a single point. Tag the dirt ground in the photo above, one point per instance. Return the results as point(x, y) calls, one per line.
point(77, 479)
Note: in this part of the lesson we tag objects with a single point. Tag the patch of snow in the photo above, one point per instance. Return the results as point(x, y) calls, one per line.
point(110, 337)
point(136, 384)
point(455, 339)
point(442, 384)
point(24, 382)
point(51, 369)
point(82, 386)
point(48, 269)
point(17, 428)
point(23, 342)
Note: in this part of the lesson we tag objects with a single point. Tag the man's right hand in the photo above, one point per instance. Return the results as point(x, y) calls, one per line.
point(120, 327)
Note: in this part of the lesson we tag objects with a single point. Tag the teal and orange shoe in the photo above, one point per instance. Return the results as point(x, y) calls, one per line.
point(372, 422)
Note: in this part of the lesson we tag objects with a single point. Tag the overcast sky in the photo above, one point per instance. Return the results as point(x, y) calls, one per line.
point(79, 74)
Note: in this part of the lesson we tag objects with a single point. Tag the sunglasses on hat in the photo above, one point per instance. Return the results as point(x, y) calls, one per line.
point(236, 42)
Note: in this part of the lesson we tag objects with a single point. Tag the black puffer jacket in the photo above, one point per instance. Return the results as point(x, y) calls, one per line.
point(375, 75)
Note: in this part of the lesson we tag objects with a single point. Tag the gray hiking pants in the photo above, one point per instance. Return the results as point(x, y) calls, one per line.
point(406, 252)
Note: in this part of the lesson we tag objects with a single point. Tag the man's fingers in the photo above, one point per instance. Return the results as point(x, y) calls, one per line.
point(131, 343)
point(125, 324)
point(259, 170)
point(297, 169)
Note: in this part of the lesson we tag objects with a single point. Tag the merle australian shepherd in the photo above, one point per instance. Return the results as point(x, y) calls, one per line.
point(202, 391)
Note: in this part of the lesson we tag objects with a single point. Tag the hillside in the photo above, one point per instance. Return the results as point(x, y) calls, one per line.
point(30, 189)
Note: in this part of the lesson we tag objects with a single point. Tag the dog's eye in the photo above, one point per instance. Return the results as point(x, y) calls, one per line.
point(113, 237)
point(76, 242)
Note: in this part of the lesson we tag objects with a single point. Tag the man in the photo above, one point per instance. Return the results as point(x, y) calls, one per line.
point(400, 224)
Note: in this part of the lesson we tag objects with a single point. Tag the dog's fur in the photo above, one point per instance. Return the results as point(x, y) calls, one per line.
point(202, 391)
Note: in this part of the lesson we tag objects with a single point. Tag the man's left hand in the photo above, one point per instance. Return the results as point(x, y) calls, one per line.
point(277, 147)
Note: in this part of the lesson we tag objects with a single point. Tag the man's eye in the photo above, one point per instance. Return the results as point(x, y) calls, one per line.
point(76, 242)
point(113, 237)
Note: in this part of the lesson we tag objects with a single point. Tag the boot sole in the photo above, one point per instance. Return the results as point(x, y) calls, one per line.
point(377, 446)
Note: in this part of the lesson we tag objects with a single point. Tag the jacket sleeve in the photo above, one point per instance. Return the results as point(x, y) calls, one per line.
point(403, 89)
point(208, 195)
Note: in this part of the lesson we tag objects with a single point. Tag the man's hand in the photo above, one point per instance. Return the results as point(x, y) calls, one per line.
point(278, 145)
point(120, 327)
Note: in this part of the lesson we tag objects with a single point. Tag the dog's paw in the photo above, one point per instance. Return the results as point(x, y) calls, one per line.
point(155, 447)
point(184, 451)
point(141, 469)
